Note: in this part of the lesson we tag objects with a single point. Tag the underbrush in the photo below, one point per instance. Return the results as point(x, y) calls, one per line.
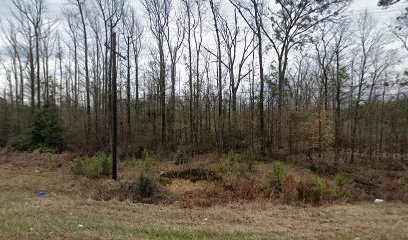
point(46, 134)
point(94, 167)
point(144, 186)
point(238, 176)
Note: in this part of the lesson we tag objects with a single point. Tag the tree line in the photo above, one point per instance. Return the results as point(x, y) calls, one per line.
point(282, 77)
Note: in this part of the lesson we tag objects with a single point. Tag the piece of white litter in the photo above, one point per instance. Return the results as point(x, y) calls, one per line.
point(377, 200)
point(31, 229)
point(357, 238)
point(80, 226)
point(205, 219)
point(36, 170)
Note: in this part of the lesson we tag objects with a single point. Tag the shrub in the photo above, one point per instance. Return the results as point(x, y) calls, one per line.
point(228, 163)
point(232, 160)
point(248, 189)
point(222, 166)
point(305, 191)
point(341, 181)
point(78, 166)
point(20, 143)
point(139, 151)
point(147, 159)
point(106, 164)
point(319, 188)
point(278, 172)
point(47, 130)
point(252, 157)
point(289, 187)
point(181, 157)
point(94, 167)
point(314, 190)
point(130, 161)
point(145, 185)
point(49, 161)
point(217, 157)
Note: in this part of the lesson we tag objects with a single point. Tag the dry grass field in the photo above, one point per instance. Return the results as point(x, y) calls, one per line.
point(68, 212)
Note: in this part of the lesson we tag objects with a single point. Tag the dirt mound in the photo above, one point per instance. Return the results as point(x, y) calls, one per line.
point(192, 174)
point(184, 186)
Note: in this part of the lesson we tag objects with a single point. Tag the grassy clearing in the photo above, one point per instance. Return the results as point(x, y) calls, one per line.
point(25, 215)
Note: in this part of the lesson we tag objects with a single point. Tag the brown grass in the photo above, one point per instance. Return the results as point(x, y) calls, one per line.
point(68, 202)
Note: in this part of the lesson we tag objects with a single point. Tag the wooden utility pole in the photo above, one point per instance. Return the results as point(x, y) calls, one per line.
point(114, 109)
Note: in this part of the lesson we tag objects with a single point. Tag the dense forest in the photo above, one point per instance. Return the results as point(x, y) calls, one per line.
point(281, 77)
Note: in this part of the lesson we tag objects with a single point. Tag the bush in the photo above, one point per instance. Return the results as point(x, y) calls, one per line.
point(20, 143)
point(145, 185)
point(248, 189)
point(232, 160)
point(314, 190)
point(217, 156)
point(252, 157)
point(319, 188)
point(289, 187)
point(94, 167)
point(278, 172)
point(106, 164)
point(341, 181)
point(147, 159)
point(130, 161)
point(49, 161)
point(181, 157)
point(139, 151)
point(78, 166)
point(47, 130)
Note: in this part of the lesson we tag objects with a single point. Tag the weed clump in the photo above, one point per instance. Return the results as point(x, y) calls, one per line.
point(147, 159)
point(319, 188)
point(289, 187)
point(94, 167)
point(228, 164)
point(313, 191)
point(139, 151)
point(144, 185)
point(106, 164)
point(341, 181)
point(272, 182)
point(181, 156)
point(232, 160)
point(19, 143)
point(277, 174)
point(252, 158)
point(78, 166)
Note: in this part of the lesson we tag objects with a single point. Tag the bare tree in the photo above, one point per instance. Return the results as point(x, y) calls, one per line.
point(33, 10)
point(215, 13)
point(369, 39)
point(238, 47)
point(158, 13)
point(81, 5)
point(174, 44)
point(289, 25)
point(252, 14)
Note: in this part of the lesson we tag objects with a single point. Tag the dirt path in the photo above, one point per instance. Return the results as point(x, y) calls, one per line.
point(67, 213)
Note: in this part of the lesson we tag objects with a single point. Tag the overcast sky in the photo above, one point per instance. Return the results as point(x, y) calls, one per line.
point(386, 16)
point(55, 5)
